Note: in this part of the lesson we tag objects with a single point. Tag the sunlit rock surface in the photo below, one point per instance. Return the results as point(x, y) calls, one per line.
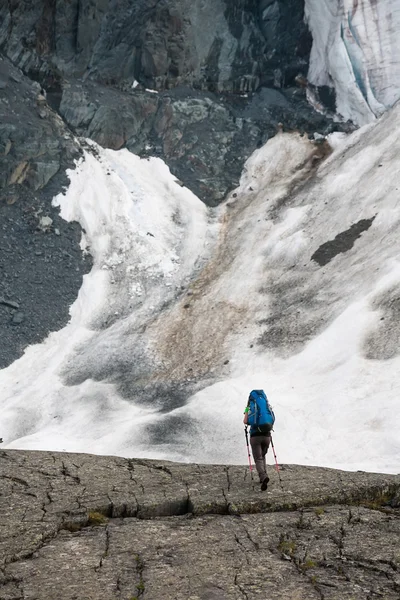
point(79, 526)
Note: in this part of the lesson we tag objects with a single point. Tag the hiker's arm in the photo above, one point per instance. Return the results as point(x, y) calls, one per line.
point(246, 411)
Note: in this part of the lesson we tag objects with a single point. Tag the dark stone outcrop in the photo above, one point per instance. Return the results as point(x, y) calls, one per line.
point(35, 144)
point(287, 41)
point(41, 264)
point(81, 526)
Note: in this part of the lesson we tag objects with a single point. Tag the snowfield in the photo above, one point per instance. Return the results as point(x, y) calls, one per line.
point(292, 285)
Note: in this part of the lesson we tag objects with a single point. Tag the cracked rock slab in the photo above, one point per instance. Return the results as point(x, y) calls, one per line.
point(76, 526)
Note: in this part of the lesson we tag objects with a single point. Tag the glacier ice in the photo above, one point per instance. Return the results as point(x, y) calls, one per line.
point(356, 50)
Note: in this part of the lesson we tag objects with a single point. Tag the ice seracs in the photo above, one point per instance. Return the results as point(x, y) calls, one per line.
point(356, 50)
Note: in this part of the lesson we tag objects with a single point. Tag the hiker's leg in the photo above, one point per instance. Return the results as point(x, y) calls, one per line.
point(257, 449)
point(265, 442)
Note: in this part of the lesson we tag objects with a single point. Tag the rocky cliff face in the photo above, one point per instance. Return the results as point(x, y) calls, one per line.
point(79, 526)
point(214, 46)
point(96, 61)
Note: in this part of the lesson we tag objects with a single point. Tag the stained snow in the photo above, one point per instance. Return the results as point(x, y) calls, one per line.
point(187, 309)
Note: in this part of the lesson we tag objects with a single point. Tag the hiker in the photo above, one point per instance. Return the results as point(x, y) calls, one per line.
point(259, 416)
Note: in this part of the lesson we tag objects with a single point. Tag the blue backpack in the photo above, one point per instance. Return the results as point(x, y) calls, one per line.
point(260, 416)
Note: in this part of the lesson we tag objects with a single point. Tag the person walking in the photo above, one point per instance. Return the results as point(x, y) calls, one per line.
point(260, 417)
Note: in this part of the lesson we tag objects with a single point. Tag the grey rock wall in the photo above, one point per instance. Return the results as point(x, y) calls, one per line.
point(80, 526)
point(214, 45)
point(90, 56)
point(34, 141)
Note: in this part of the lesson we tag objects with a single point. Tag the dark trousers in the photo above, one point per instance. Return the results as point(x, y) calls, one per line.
point(259, 446)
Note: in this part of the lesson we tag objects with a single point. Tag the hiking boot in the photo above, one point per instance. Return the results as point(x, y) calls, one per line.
point(264, 484)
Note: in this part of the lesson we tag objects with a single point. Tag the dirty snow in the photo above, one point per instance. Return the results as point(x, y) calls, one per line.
point(188, 308)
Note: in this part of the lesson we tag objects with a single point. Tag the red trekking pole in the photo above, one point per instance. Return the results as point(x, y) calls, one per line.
point(248, 453)
point(276, 463)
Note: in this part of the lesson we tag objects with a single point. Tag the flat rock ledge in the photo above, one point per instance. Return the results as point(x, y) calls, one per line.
point(80, 527)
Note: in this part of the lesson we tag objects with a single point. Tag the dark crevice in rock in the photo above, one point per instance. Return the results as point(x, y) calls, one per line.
point(302, 523)
point(189, 503)
point(28, 554)
point(242, 548)
point(107, 547)
point(255, 544)
point(15, 480)
point(139, 570)
point(373, 566)
point(110, 511)
point(322, 550)
point(131, 469)
point(174, 507)
point(81, 495)
point(25, 514)
point(152, 466)
point(240, 587)
point(290, 548)
point(46, 503)
point(67, 473)
point(118, 584)
point(342, 242)
point(372, 499)
point(227, 503)
point(227, 477)
point(351, 518)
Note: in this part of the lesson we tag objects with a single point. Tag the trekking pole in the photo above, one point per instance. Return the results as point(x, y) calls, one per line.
point(276, 463)
point(248, 453)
